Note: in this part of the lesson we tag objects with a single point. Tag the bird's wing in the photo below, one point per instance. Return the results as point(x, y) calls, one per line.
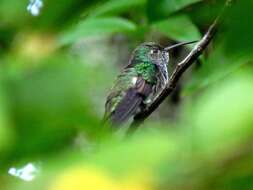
point(123, 83)
point(129, 102)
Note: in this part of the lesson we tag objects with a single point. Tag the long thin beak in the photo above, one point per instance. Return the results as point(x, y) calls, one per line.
point(178, 45)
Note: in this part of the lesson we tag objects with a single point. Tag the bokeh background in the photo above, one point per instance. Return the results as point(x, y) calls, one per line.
point(58, 61)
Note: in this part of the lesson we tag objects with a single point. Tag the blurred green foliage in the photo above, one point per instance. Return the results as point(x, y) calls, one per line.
point(57, 68)
point(89, 27)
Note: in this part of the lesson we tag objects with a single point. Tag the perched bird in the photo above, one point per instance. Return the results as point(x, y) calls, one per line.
point(139, 83)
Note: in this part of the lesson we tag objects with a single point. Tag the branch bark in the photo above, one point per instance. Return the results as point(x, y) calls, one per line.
point(179, 70)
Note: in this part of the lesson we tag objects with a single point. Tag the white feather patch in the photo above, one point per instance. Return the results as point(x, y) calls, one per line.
point(134, 80)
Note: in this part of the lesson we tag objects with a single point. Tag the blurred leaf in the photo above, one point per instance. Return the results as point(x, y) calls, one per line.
point(223, 117)
point(113, 7)
point(58, 14)
point(235, 26)
point(132, 163)
point(218, 67)
point(163, 8)
point(96, 26)
point(53, 14)
point(92, 178)
point(50, 104)
point(83, 178)
point(179, 28)
point(123, 158)
point(34, 45)
point(6, 133)
point(175, 5)
point(12, 9)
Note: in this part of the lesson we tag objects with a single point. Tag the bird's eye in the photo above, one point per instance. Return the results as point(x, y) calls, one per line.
point(154, 51)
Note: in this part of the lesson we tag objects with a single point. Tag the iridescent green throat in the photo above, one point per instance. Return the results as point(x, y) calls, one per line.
point(145, 67)
point(147, 70)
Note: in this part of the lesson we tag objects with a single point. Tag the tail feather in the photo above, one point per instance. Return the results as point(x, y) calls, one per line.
point(127, 107)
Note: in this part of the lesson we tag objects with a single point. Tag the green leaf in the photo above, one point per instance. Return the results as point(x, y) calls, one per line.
point(175, 5)
point(96, 27)
point(222, 117)
point(238, 31)
point(179, 28)
point(49, 104)
point(163, 8)
point(115, 7)
point(157, 147)
point(5, 130)
point(217, 67)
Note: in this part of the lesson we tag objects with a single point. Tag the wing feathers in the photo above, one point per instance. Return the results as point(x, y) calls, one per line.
point(131, 102)
point(127, 107)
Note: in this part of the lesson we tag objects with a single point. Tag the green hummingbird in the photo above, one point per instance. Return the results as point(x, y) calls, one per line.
point(139, 83)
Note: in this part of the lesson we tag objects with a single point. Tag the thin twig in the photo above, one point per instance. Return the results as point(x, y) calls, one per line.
point(179, 70)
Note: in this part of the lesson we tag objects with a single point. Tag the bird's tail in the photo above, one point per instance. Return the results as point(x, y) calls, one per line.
point(127, 107)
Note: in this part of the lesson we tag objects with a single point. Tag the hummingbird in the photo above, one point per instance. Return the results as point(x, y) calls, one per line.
point(139, 83)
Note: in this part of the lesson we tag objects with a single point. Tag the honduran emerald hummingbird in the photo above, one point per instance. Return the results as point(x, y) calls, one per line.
point(139, 83)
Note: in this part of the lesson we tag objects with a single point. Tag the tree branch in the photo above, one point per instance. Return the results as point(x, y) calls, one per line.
point(179, 70)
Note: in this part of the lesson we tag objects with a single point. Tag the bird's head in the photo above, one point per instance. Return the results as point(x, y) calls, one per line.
point(154, 53)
